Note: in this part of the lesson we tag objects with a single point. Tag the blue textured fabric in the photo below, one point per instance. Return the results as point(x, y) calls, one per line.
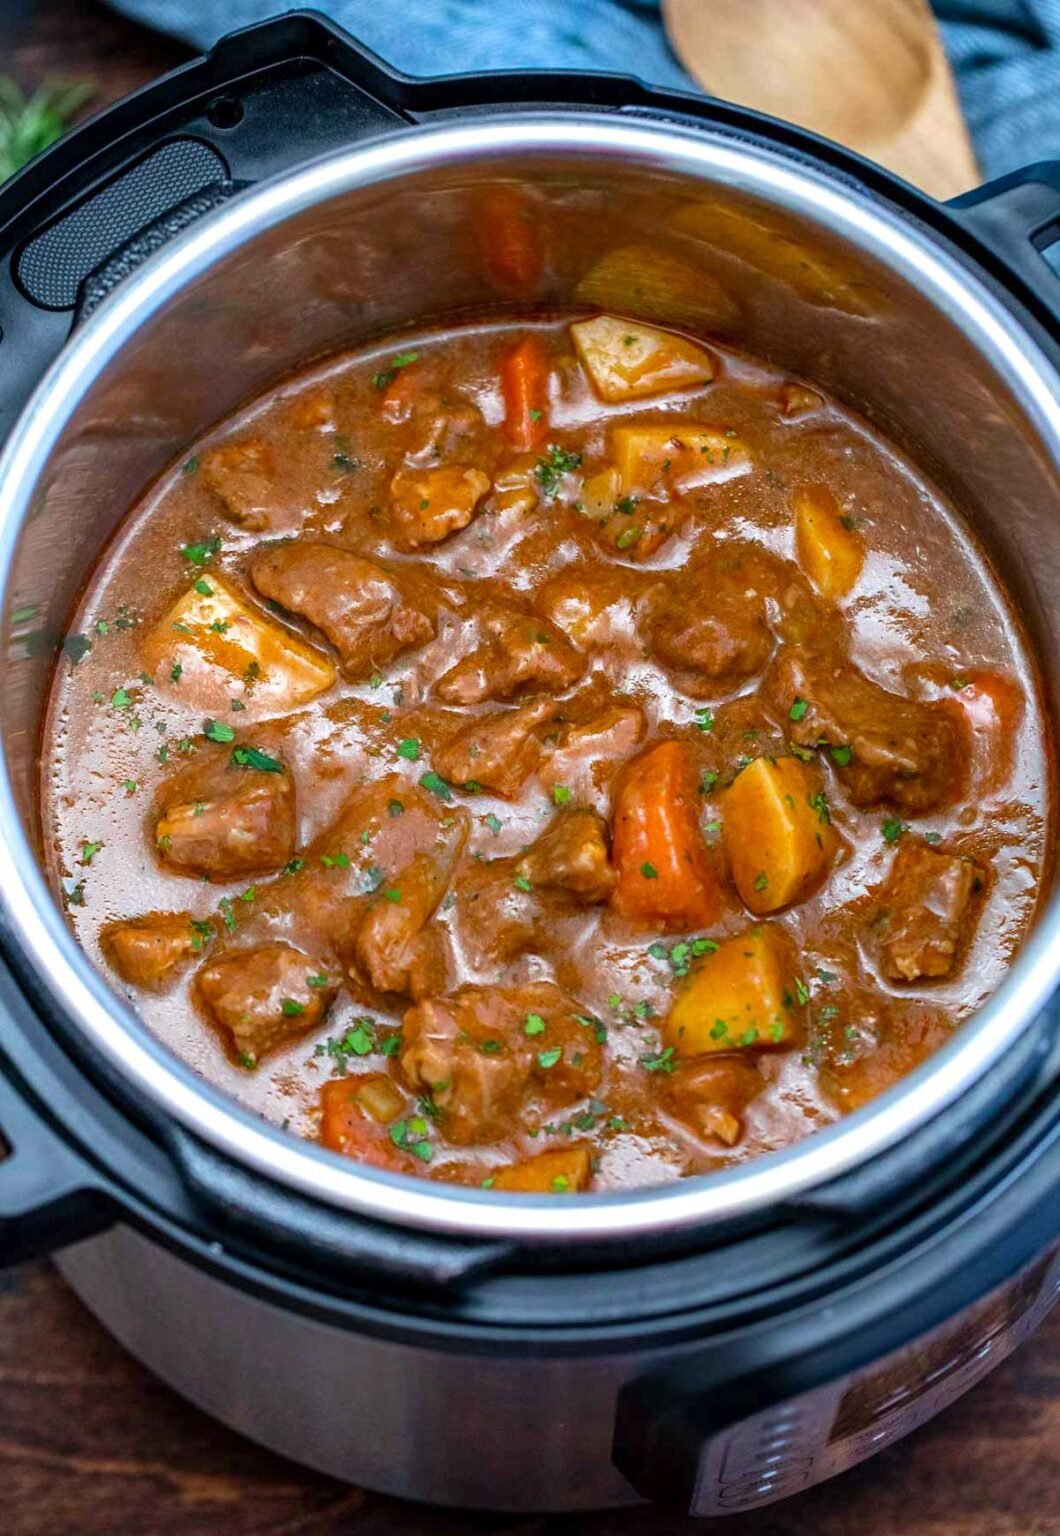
point(1006, 52)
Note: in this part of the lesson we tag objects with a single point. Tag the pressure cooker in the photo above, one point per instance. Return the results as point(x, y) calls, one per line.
point(716, 1343)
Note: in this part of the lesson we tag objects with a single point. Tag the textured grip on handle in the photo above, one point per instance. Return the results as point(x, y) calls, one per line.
point(101, 283)
point(1018, 217)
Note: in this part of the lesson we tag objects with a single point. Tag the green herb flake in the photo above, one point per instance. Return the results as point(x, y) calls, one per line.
point(202, 554)
point(250, 757)
point(798, 709)
point(547, 1059)
point(893, 829)
point(436, 785)
point(649, 871)
point(89, 851)
point(551, 469)
point(291, 1008)
point(522, 883)
point(704, 720)
point(841, 756)
point(535, 1025)
point(661, 1061)
point(409, 749)
point(560, 794)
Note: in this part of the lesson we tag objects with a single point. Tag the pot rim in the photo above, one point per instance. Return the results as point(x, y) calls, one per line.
point(34, 928)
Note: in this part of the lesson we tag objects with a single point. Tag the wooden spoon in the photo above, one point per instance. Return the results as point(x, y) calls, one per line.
point(871, 74)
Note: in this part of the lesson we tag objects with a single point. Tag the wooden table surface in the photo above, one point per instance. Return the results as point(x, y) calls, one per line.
point(90, 1445)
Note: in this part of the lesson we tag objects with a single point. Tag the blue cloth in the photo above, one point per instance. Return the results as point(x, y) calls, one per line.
point(1006, 52)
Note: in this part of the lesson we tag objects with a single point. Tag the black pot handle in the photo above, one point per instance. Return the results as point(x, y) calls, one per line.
point(1017, 217)
point(86, 213)
point(49, 1196)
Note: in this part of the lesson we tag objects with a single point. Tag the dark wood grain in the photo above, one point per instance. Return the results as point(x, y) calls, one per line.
point(90, 1445)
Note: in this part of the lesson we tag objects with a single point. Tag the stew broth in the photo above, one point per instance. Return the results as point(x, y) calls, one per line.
point(551, 756)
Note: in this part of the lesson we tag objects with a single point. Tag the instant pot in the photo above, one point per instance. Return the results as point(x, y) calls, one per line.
point(714, 1344)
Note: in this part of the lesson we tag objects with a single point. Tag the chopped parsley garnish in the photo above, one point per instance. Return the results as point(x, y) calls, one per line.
point(201, 554)
point(535, 1024)
point(293, 866)
point(411, 1136)
point(130, 786)
point(704, 720)
point(395, 808)
point(841, 756)
point(551, 469)
point(315, 980)
point(89, 851)
point(386, 376)
point(560, 794)
point(436, 784)
point(121, 699)
point(933, 837)
point(761, 880)
point(801, 991)
point(493, 822)
point(627, 537)
point(76, 647)
point(661, 1061)
point(649, 871)
point(626, 505)
point(819, 803)
point(892, 830)
point(547, 1059)
point(203, 587)
point(333, 861)
point(409, 749)
point(522, 883)
point(250, 757)
point(291, 1008)
point(798, 709)
point(217, 730)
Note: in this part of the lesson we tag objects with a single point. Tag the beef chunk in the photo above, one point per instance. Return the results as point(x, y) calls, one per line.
point(261, 998)
point(927, 911)
point(243, 476)
point(394, 949)
point(498, 750)
point(709, 622)
point(586, 755)
point(429, 504)
point(353, 601)
point(479, 1052)
point(712, 1093)
point(223, 821)
point(516, 651)
point(151, 951)
point(883, 746)
point(572, 856)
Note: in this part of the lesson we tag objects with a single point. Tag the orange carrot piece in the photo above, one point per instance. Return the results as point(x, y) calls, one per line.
point(664, 875)
point(512, 257)
point(524, 386)
point(347, 1127)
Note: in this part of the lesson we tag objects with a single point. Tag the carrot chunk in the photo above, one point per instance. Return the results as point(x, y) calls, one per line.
point(524, 386)
point(664, 875)
point(354, 1116)
point(564, 1171)
point(510, 240)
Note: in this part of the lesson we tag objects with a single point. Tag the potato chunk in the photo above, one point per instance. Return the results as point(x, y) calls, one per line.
point(213, 641)
point(564, 1171)
point(627, 361)
point(777, 834)
point(741, 996)
point(677, 457)
point(829, 552)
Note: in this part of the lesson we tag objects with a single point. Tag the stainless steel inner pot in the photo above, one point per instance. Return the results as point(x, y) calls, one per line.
point(778, 255)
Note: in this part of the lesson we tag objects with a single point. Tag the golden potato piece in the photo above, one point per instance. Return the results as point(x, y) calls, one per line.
point(829, 552)
point(676, 457)
point(565, 1171)
point(660, 286)
point(817, 277)
point(776, 832)
point(627, 361)
point(212, 644)
point(744, 995)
